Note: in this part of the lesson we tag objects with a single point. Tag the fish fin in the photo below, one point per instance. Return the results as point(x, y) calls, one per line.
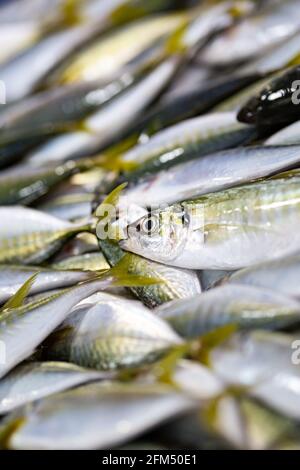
point(111, 199)
point(70, 10)
point(18, 298)
point(121, 274)
point(175, 43)
point(7, 429)
point(211, 340)
point(294, 61)
point(127, 12)
point(209, 412)
point(165, 368)
point(106, 213)
point(111, 158)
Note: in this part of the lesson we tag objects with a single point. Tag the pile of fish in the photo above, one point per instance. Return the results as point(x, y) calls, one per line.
point(150, 224)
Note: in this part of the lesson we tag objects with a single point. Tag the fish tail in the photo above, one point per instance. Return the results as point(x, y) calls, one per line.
point(121, 275)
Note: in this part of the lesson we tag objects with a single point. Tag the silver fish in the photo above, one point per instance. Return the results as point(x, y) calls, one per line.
point(185, 141)
point(127, 410)
point(278, 58)
point(28, 236)
point(108, 123)
point(211, 173)
point(254, 35)
point(35, 380)
point(85, 262)
point(40, 59)
point(281, 275)
point(22, 329)
point(262, 362)
point(227, 230)
point(288, 136)
point(244, 306)
point(13, 277)
point(113, 333)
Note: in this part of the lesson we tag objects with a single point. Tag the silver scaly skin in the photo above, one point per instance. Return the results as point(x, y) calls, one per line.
point(113, 333)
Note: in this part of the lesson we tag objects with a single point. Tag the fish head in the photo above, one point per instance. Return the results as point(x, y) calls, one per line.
point(278, 103)
point(160, 235)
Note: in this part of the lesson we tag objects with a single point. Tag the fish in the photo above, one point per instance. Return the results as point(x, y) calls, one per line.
point(191, 102)
point(210, 173)
point(21, 184)
point(212, 277)
point(289, 135)
point(32, 381)
point(253, 426)
point(104, 57)
point(280, 275)
point(261, 362)
point(197, 380)
point(70, 207)
point(127, 409)
point(45, 55)
point(85, 262)
point(28, 236)
point(188, 140)
point(17, 37)
point(73, 198)
point(53, 49)
point(111, 334)
point(13, 277)
point(253, 36)
point(247, 307)
point(228, 230)
point(175, 283)
point(235, 102)
point(58, 110)
point(278, 58)
point(102, 128)
point(24, 327)
point(275, 104)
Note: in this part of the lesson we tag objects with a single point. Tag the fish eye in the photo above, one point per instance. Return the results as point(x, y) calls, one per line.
point(149, 225)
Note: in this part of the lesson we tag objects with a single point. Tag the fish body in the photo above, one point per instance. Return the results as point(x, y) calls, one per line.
point(57, 110)
point(85, 262)
point(276, 59)
point(36, 380)
point(289, 135)
point(253, 36)
point(70, 207)
point(104, 57)
point(227, 230)
point(261, 362)
point(210, 173)
point(281, 275)
point(175, 283)
point(185, 141)
point(107, 124)
point(244, 306)
point(13, 277)
point(24, 328)
point(28, 236)
point(41, 58)
point(127, 409)
point(23, 185)
point(113, 333)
